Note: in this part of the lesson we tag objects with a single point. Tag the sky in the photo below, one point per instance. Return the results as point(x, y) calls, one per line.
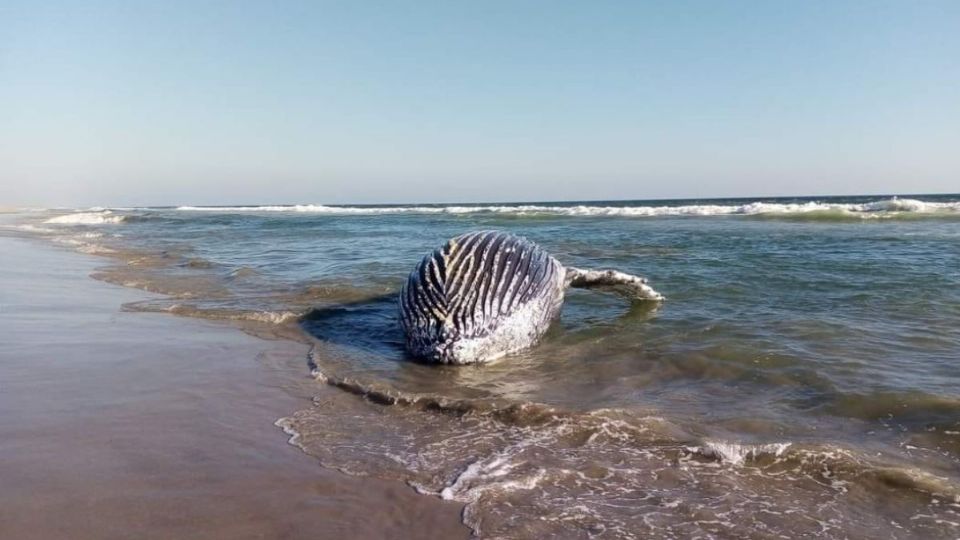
point(176, 102)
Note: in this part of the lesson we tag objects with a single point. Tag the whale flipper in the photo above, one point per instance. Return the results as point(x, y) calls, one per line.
point(633, 286)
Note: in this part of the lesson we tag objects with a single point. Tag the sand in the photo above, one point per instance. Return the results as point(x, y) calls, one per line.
point(116, 424)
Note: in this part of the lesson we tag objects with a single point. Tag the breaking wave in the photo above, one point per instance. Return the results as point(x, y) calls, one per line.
point(737, 453)
point(87, 218)
point(880, 208)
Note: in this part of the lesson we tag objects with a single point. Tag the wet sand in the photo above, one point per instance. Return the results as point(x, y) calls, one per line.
point(117, 425)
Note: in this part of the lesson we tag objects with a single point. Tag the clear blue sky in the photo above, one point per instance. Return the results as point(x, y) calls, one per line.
point(118, 103)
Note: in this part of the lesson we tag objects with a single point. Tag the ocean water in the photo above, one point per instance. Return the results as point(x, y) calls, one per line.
point(802, 379)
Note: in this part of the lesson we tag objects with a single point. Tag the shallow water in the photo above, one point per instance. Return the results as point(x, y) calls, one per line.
point(800, 379)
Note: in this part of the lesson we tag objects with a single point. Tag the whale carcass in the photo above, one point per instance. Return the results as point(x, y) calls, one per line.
point(486, 294)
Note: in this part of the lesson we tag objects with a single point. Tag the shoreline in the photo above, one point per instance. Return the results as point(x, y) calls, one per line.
point(642, 429)
point(128, 423)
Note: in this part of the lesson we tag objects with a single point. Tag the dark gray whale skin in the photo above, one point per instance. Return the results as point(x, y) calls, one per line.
point(486, 294)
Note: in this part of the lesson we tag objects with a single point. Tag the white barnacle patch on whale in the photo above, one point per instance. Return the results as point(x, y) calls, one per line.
point(486, 294)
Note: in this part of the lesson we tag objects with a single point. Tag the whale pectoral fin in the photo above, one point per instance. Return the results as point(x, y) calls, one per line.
point(633, 286)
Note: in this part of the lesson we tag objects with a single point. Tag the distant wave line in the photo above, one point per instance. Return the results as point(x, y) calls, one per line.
point(884, 206)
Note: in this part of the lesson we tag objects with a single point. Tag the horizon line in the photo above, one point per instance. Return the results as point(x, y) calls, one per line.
point(481, 203)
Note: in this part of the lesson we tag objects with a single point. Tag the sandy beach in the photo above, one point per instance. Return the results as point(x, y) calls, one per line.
point(135, 425)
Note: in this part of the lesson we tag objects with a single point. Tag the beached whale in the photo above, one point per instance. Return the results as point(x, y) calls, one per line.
point(489, 293)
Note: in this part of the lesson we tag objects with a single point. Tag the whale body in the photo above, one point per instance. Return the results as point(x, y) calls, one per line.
point(486, 294)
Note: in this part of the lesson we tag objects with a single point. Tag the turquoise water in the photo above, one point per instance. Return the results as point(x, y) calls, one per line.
point(800, 379)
